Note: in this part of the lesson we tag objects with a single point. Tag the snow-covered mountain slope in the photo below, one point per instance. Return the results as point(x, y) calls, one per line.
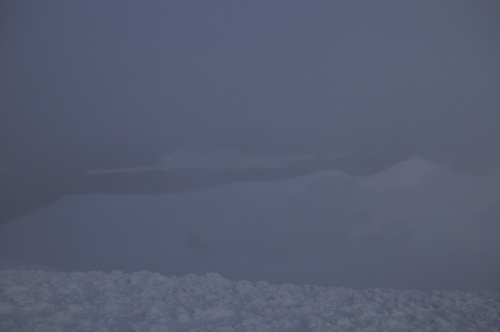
point(436, 230)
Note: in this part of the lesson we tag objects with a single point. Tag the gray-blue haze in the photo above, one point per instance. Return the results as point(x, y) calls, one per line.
point(414, 226)
point(391, 78)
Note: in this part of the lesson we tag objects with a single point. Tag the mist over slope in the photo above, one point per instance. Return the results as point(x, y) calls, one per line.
point(416, 225)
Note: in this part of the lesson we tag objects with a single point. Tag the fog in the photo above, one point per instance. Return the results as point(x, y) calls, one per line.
point(145, 105)
point(415, 225)
point(388, 77)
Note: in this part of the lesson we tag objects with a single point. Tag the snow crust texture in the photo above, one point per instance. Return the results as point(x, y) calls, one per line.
point(145, 301)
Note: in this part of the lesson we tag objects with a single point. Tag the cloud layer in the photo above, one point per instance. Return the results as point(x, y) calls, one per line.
point(225, 159)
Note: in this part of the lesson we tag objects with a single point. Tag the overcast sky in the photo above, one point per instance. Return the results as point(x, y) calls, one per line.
point(262, 76)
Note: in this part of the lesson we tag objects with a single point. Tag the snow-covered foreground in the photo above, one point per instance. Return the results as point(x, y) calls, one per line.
point(144, 301)
point(415, 225)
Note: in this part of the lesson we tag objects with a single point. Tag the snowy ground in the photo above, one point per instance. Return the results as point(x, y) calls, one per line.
point(144, 301)
point(414, 226)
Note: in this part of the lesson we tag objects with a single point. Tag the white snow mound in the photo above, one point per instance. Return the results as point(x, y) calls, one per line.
point(145, 301)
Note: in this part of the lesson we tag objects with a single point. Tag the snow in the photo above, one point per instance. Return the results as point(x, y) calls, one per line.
point(146, 301)
point(416, 225)
point(389, 239)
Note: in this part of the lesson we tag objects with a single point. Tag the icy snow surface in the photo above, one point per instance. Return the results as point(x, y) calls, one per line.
point(145, 301)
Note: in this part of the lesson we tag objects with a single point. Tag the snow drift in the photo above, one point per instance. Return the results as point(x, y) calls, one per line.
point(145, 301)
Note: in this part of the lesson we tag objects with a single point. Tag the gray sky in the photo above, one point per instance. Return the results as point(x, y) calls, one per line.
point(263, 76)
